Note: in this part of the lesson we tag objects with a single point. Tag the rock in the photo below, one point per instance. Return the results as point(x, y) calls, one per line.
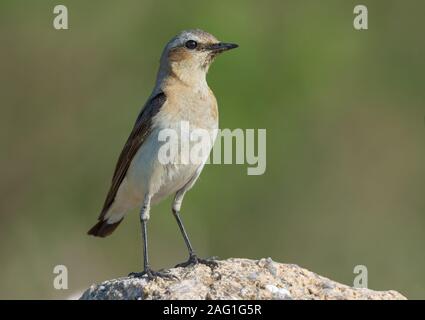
point(235, 279)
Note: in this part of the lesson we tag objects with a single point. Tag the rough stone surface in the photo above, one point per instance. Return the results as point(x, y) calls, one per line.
point(235, 279)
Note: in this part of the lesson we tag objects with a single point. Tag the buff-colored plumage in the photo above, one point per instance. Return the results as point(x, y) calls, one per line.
point(181, 95)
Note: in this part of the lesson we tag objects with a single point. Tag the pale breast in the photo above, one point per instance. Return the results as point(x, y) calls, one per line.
point(196, 105)
point(184, 113)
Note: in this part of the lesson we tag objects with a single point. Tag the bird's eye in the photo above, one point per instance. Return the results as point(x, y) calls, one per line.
point(191, 44)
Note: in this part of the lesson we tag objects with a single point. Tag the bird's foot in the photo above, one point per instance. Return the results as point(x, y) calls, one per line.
point(151, 274)
point(193, 260)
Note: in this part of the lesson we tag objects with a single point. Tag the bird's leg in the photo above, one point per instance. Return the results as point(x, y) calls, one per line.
point(147, 271)
point(193, 258)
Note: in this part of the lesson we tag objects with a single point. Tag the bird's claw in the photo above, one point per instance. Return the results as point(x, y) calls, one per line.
point(193, 260)
point(150, 275)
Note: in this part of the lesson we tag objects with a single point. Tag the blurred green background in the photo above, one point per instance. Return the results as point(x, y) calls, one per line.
point(344, 113)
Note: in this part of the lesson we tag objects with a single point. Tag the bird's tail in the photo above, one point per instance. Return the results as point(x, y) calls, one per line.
point(103, 228)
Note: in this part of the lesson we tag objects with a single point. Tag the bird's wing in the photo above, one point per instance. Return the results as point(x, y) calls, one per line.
point(138, 135)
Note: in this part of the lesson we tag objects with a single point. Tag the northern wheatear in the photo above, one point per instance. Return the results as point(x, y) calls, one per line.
point(181, 94)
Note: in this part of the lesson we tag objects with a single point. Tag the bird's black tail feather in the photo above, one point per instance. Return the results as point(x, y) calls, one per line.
point(103, 228)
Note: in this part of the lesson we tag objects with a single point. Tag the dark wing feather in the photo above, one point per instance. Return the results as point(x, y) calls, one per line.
point(141, 130)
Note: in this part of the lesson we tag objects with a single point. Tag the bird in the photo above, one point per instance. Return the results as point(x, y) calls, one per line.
point(181, 95)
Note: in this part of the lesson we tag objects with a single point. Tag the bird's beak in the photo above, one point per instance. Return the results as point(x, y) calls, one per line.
point(220, 47)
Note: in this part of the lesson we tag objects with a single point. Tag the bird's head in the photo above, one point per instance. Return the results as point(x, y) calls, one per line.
point(189, 54)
